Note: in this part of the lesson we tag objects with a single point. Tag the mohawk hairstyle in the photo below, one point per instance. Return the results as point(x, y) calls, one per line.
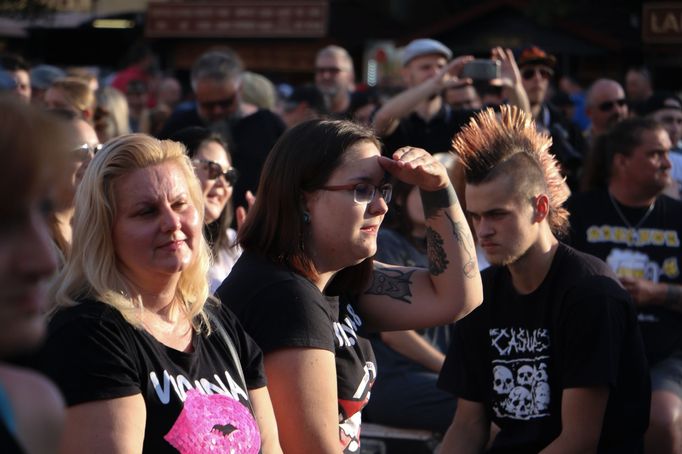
point(489, 141)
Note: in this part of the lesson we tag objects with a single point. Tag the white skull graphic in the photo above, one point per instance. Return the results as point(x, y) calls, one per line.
point(541, 396)
point(524, 376)
point(519, 403)
point(541, 373)
point(504, 380)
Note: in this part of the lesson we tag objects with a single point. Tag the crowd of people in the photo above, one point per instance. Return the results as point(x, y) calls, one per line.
point(491, 253)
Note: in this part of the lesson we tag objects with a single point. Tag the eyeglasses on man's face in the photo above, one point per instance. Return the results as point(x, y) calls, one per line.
point(215, 170)
point(86, 151)
point(333, 70)
point(529, 73)
point(224, 104)
point(607, 106)
point(364, 192)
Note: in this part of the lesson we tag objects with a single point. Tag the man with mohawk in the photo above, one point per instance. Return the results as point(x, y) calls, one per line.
point(553, 356)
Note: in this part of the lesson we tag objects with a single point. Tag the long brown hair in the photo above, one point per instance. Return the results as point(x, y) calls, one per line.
point(301, 161)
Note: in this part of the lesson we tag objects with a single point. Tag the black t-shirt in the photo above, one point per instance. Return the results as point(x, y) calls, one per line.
point(252, 138)
point(93, 353)
point(279, 308)
point(434, 136)
point(651, 251)
point(516, 353)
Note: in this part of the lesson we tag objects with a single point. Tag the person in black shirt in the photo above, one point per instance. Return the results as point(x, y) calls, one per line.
point(147, 361)
point(249, 132)
point(553, 356)
point(628, 222)
point(419, 116)
point(306, 287)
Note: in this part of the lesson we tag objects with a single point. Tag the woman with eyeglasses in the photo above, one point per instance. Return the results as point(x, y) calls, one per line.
point(83, 144)
point(306, 287)
point(146, 360)
point(213, 166)
point(31, 408)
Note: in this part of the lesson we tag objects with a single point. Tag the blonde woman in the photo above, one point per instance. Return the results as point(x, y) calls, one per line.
point(74, 94)
point(143, 357)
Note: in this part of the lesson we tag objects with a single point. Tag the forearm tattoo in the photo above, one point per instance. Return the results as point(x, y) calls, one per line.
point(438, 260)
point(393, 283)
point(433, 202)
point(673, 297)
point(437, 200)
point(465, 241)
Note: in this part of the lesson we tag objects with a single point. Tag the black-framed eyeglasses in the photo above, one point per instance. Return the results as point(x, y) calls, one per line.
point(86, 151)
point(607, 106)
point(364, 192)
point(529, 73)
point(215, 170)
point(224, 104)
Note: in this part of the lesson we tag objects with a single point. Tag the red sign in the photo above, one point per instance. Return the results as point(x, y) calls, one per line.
point(237, 19)
point(662, 23)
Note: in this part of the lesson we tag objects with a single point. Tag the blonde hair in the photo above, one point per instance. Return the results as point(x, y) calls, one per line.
point(511, 143)
point(77, 92)
point(91, 270)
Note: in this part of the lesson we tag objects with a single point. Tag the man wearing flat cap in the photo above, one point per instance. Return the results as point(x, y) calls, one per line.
point(568, 143)
point(419, 116)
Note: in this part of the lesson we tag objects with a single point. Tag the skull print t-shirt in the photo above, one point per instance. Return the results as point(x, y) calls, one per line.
point(516, 354)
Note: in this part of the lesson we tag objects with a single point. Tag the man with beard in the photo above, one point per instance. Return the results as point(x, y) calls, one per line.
point(335, 78)
point(605, 106)
point(636, 229)
point(553, 356)
point(250, 132)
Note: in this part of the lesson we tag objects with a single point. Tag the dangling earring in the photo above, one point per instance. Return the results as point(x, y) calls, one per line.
point(306, 218)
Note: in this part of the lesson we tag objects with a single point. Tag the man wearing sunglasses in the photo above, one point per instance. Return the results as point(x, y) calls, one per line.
point(335, 78)
point(605, 106)
point(568, 144)
point(250, 132)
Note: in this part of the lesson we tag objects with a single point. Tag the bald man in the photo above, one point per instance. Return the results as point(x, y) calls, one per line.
point(605, 106)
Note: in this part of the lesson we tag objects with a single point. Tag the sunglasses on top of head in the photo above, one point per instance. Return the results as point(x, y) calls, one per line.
point(215, 171)
point(607, 106)
point(529, 73)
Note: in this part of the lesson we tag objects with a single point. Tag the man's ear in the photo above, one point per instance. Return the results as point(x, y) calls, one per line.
point(540, 207)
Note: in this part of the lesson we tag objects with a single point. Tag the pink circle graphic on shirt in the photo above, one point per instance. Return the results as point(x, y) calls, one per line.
point(214, 424)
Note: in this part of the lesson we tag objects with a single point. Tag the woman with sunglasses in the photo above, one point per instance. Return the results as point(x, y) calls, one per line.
point(83, 143)
point(306, 287)
point(213, 166)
